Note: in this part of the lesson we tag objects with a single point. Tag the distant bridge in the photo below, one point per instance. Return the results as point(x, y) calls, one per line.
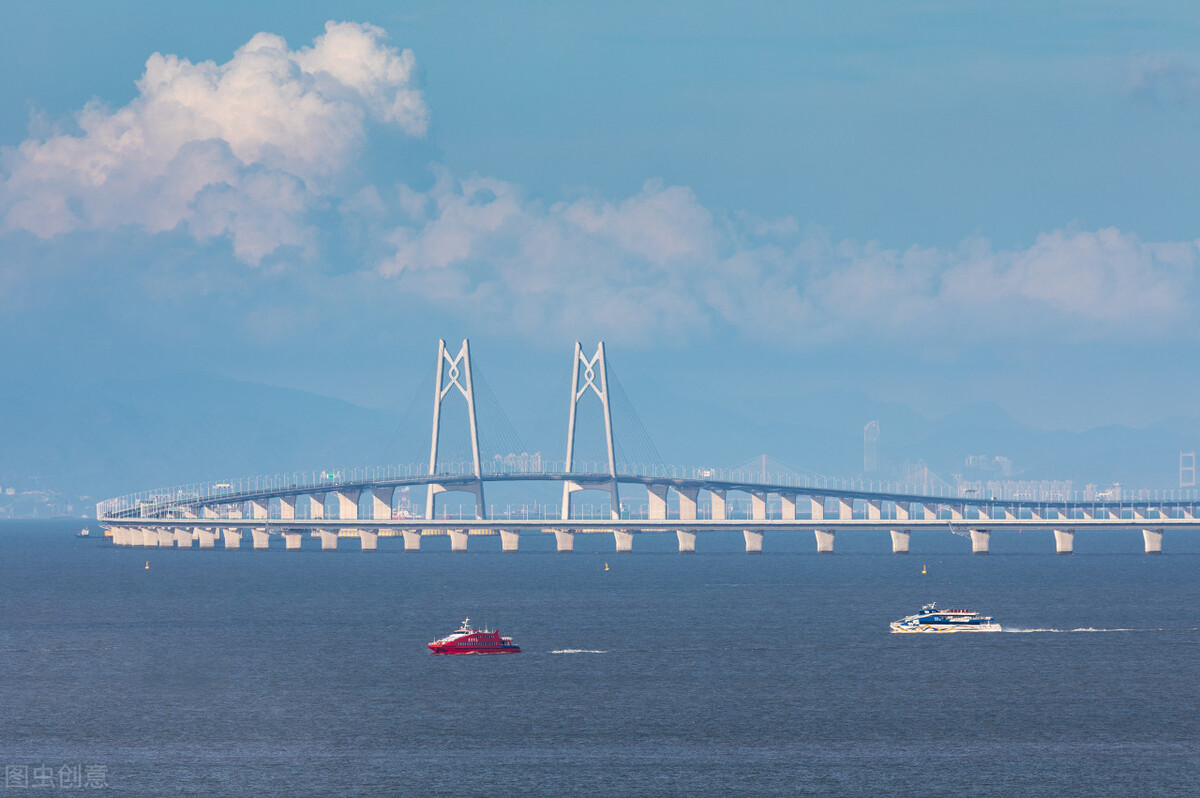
point(685, 501)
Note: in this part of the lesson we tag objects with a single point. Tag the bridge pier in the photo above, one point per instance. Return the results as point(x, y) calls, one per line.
point(564, 539)
point(718, 504)
point(458, 539)
point(687, 541)
point(787, 503)
point(753, 541)
point(183, 539)
point(824, 541)
point(1064, 541)
point(261, 538)
point(166, 538)
point(979, 541)
point(368, 539)
point(291, 541)
point(329, 539)
point(900, 541)
point(1153, 538)
point(656, 497)
point(687, 503)
point(206, 537)
point(758, 505)
point(509, 539)
point(412, 539)
point(233, 538)
point(624, 540)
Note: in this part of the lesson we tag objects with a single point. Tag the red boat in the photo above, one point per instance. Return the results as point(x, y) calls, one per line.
point(474, 641)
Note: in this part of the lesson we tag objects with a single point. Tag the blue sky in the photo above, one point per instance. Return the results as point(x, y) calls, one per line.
point(933, 203)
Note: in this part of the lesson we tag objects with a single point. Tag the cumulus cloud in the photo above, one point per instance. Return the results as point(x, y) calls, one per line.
point(243, 149)
point(660, 265)
point(257, 149)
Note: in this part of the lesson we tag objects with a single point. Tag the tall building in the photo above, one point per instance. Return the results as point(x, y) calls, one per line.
point(871, 447)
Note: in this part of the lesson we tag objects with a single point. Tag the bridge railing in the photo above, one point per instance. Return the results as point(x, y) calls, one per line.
point(233, 490)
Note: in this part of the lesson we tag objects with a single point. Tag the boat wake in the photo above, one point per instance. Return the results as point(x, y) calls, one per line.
point(578, 651)
point(1090, 629)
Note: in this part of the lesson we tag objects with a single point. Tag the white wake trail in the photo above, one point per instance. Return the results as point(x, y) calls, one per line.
point(1091, 629)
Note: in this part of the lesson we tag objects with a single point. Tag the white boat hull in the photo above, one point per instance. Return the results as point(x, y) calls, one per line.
point(934, 628)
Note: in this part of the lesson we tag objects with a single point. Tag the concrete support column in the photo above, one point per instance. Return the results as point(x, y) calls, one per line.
point(458, 539)
point(758, 505)
point(183, 538)
point(824, 541)
point(565, 540)
point(314, 504)
point(208, 511)
point(874, 510)
point(166, 538)
point(329, 539)
point(347, 504)
point(287, 508)
point(1064, 541)
point(261, 538)
point(259, 508)
point(787, 502)
point(753, 541)
point(845, 509)
point(902, 511)
point(900, 541)
point(368, 539)
point(657, 495)
point(687, 503)
point(509, 539)
point(206, 537)
point(412, 539)
point(1153, 538)
point(979, 541)
point(291, 541)
point(233, 538)
point(624, 540)
point(956, 512)
point(718, 505)
point(687, 541)
point(381, 503)
point(816, 508)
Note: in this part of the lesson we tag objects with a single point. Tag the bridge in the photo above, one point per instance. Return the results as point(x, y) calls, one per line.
point(686, 501)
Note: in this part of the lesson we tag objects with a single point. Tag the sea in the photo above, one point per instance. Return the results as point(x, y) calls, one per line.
point(650, 673)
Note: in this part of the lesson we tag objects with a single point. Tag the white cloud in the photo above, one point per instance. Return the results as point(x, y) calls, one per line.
point(660, 265)
point(243, 149)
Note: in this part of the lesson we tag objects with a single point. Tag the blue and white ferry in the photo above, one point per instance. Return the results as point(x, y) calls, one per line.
point(931, 619)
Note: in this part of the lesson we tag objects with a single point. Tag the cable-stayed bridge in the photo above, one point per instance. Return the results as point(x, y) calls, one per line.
point(625, 499)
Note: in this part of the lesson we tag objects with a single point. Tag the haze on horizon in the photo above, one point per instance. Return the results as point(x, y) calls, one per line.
point(934, 206)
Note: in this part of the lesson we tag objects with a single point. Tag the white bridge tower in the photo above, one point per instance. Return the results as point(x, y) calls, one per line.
point(454, 372)
point(595, 379)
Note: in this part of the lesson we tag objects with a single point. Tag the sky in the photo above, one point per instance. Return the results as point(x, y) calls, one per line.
point(933, 204)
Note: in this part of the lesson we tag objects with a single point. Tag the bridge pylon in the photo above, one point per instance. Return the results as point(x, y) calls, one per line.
point(595, 379)
point(454, 373)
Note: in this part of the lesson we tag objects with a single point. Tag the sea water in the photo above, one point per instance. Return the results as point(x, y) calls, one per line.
point(715, 673)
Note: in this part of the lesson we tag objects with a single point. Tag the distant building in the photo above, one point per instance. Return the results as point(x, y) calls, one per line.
point(871, 447)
